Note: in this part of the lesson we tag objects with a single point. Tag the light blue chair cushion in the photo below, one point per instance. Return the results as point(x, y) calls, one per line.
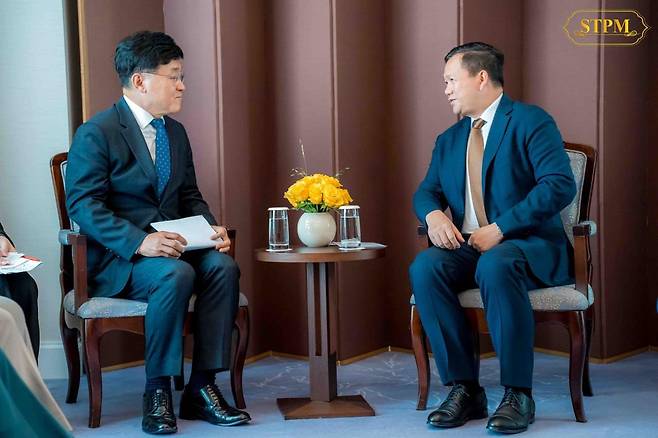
point(102, 307)
point(558, 298)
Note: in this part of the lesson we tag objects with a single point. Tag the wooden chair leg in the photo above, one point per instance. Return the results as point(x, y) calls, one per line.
point(91, 339)
point(577, 358)
point(242, 326)
point(587, 384)
point(179, 381)
point(70, 343)
point(419, 343)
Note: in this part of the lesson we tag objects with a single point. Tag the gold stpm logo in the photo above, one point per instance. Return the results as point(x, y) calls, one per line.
point(606, 27)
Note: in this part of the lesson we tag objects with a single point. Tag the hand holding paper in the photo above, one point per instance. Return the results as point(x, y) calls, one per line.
point(222, 242)
point(195, 231)
point(5, 248)
point(162, 244)
point(16, 262)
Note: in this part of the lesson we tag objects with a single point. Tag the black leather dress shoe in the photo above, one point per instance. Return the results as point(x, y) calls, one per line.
point(159, 418)
point(515, 412)
point(209, 405)
point(459, 407)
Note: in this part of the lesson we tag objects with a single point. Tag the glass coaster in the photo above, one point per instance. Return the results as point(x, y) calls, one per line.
point(358, 248)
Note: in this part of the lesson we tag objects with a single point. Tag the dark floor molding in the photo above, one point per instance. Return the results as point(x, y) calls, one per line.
point(596, 360)
point(349, 360)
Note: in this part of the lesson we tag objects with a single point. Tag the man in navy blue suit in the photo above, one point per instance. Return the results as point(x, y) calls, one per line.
point(503, 173)
point(129, 166)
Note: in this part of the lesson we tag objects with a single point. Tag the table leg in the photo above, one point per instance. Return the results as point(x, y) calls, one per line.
point(322, 338)
point(321, 348)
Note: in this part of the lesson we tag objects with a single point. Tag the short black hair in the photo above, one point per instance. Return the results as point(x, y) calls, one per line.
point(144, 51)
point(480, 56)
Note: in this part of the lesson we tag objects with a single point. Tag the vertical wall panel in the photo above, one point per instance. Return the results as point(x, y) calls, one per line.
point(103, 24)
point(245, 154)
point(625, 204)
point(299, 95)
point(501, 26)
point(420, 33)
point(362, 141)
point(558, 75)
point(562, 78)
point(652, 184)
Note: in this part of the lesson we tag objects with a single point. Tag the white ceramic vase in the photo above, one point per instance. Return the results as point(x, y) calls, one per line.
point(316, 229)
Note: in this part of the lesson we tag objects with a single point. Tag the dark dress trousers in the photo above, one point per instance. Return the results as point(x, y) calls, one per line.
point(23, 289)
point(527, 181)
point(111, 195)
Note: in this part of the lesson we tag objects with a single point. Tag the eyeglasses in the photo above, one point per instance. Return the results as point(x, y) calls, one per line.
point(175, 79)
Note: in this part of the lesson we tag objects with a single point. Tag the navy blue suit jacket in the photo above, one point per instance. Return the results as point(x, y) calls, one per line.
point(526, 182)
point(111, 192)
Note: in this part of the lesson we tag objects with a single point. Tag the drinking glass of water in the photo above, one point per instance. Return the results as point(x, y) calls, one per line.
point(350, 227)
point(278, 229)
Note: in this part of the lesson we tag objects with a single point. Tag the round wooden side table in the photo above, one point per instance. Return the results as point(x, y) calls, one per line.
point(322, 314)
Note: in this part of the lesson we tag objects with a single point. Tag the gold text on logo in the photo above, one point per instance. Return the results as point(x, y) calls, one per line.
point(605, 27)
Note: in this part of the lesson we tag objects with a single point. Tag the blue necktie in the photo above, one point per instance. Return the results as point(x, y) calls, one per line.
point(162, 157)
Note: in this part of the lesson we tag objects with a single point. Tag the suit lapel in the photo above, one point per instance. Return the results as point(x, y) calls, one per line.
point(135, 140)
point(498, 128)
point(459, 158)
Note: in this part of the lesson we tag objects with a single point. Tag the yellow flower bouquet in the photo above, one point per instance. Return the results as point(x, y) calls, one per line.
point(317, 193)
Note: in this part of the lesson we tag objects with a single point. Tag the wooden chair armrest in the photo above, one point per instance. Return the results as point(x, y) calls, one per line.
point(233, 235)
point(588, 228)
point(421, 233)
point(78, 243)
point(582, 256)
point(65, 238)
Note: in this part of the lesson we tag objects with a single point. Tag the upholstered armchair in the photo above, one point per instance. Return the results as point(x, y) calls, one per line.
point(570, 306)
point(92, 317)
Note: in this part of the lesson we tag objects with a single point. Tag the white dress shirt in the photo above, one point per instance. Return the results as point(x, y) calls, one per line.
point(144, 119)
point(470, 219)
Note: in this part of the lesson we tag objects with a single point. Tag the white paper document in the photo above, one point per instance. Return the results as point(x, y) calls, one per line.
point(195, 229)
point(18, 262)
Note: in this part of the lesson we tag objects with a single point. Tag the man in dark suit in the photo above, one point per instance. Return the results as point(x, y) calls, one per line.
point(21, 288)
point(503, 172)
point(129, 166)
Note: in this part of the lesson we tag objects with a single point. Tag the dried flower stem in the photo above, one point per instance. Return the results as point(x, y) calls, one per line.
point(301, 145)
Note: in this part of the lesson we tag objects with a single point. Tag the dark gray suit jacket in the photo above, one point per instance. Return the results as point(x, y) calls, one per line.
point(111, 192)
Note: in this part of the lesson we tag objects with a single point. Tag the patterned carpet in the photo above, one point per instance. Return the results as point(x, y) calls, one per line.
point(625, 403)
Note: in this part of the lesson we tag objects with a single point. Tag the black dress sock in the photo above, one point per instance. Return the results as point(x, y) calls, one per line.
point(162, 382)
point(199, 379)
point(472, 386)
point(526, 391)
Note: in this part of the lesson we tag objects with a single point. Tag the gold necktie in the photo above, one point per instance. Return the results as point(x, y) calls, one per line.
point(475, 153)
